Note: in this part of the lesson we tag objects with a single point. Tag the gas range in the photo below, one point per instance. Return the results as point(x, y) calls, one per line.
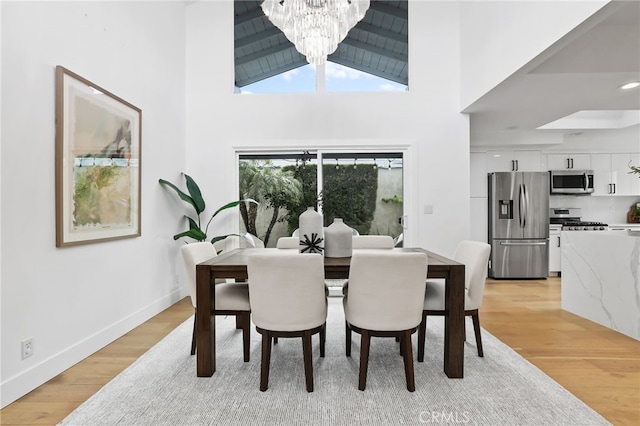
point(570, 220)
point(584, 226)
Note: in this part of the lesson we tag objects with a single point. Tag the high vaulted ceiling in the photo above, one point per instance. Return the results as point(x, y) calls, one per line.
point(377, 45)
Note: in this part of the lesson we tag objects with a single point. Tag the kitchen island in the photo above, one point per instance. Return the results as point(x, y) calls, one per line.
point(601, 278)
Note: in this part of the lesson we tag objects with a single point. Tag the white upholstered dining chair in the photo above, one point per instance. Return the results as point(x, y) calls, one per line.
point(288, 243)
point(297, 231)
point(287, 295)
point(385, 299)
point(360, 242)
point(234, 241)
point(230, 298)
point(251, 241)
point(475, 257)
point(372, 242)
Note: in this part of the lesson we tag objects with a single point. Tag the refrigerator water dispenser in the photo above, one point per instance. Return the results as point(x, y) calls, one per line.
point(505, 209)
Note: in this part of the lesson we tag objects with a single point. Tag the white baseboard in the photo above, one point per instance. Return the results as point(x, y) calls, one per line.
point(23, 383)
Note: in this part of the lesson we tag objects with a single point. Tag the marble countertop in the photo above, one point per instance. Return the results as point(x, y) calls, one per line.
point(601, 278)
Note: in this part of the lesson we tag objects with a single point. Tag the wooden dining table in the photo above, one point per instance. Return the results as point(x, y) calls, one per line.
point(233, 264)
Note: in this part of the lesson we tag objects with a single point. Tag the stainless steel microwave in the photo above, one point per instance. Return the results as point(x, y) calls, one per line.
point(571, 181)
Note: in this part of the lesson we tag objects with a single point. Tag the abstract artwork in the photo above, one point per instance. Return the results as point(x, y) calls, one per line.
point(98, 138)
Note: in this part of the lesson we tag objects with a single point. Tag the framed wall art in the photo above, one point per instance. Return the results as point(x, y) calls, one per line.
point(98, 163)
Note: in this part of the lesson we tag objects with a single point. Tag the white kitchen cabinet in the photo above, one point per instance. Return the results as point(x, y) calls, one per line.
point(601, 164)
point(514, 161)
point(624, 182)
point(478, 174)
point(478, 220)
point(568, 161)
point(555, 250)
point(611, 174)
point(478, 202)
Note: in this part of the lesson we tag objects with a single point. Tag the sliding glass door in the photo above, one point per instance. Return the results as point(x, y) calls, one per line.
point(365, 189)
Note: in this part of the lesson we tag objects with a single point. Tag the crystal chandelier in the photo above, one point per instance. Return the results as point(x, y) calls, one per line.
point(315, 27)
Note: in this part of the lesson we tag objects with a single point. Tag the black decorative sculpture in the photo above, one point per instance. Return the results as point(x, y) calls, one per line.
point(311, 245)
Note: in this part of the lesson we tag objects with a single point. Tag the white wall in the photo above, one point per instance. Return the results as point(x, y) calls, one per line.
point(1, 257)
point(73, 301)
point(424, 120)
point(519, 31)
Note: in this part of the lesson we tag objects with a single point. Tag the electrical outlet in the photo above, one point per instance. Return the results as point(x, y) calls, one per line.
point(27, 348)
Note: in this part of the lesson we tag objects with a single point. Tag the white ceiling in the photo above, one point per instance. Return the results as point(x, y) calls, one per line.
point(580, 72)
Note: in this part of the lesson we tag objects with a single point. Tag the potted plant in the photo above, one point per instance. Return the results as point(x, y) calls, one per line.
point(194, 199)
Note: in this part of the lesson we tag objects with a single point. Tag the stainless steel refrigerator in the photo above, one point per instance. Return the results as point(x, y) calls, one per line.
point(519, 224)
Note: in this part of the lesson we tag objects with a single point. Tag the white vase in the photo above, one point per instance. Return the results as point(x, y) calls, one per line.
point(311, 232)
point(338, 239)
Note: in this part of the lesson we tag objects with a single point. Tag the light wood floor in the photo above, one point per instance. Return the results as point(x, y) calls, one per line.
point(599, 366)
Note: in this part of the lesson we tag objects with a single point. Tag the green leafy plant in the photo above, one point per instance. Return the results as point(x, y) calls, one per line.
point(273, 187)
point(351, 195)
point(634, 169)
point(394, 200)
point(308, 178)
point(194, 199)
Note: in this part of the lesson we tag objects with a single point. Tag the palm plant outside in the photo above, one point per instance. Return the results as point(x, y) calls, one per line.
point(268, 185)
point(307, 175)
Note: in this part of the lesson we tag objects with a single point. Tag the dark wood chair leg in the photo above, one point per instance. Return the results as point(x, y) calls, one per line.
point(323, 339)
point(193, 338)
point(246, 335)
point(464, 328)
point(275, 340)
point(422, 336)
point(347, 333)
point(365, 341)
point(405, 341)
point(308, 365)
point(266, 360)
point(476, 329)
point(238, 322)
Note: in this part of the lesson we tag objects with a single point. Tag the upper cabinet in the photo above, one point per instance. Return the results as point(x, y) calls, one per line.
point(569, 161)
point(514, 161)
point(601, 174)
point(611, 170)
point(611, 174)
point(625, 183)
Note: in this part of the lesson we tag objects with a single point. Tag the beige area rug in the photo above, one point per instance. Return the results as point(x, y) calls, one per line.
point(161, 387)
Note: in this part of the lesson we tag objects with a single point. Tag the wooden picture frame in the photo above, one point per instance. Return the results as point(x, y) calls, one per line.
point(98, 163)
